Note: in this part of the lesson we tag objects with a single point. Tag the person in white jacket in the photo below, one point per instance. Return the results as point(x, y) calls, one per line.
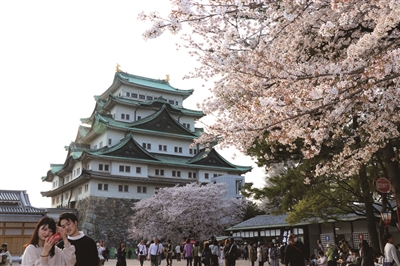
point(322, 259)
point(41, 248)
point(390, 251)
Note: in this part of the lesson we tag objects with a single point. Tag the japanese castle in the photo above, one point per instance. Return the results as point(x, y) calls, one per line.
point(138, 139)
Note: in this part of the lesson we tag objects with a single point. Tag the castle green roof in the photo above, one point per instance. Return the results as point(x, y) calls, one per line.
point(147, 83)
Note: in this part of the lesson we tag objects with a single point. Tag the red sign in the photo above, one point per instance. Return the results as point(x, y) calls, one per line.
point(361, 237)
point(383, 185)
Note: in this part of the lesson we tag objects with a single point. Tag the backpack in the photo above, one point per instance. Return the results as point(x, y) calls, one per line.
point(274, 253)
point(335, 254)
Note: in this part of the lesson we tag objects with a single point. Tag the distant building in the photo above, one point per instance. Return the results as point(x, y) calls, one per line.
point(138, 139)
point(235, 184)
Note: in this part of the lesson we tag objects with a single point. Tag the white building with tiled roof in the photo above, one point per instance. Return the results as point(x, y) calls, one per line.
point(18, 219)
point(138, 139)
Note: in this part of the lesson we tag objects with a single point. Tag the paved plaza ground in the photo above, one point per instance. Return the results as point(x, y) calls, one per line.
point(113, 262)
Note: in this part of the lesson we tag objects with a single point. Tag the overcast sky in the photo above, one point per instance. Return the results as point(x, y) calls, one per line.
point(55, 56)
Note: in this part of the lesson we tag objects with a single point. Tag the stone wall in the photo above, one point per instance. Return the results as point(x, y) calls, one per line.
point(107, 219)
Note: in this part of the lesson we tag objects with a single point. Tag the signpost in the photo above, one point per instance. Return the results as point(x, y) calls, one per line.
point(383, 185)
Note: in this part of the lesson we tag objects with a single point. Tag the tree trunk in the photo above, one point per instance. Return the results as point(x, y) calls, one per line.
point(368, 201)
point(393, 171)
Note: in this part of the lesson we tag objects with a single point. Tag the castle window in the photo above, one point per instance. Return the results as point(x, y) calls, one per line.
point(66, 195)
point(127, 116)
point(188, 126)
point(141, 189)
point(100, 167)
point(144, 190)
point(99, 186)
point(124, 168)
point(58, 200)
point(100, 144)
point(173, 173)
point(160, 147)
point(190, 151)
point(178, 149)
point(215, 175)
point(159, 172)
point(149, 146)
point(78, 171)
point(190, 175)
point(139, 117)
point(138, 170)
point(142, 97)
point(95, 147)
point(128, 94)
point(176, 103)
point(79, 190)
point(123, 188)
point(149, 98)
point(194, 175)
point(134, 95)
point(106, 187)
point(171, 101)
point(206, 175)
point(165, 147)
point(122, 116)
point(109, 141)
point(86, 187)
point(178, 173)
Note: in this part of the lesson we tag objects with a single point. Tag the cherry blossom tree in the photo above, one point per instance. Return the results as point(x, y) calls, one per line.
point(195, 211)
point(298, 73)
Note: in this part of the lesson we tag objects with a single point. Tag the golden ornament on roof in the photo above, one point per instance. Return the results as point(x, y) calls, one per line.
point(117, 68)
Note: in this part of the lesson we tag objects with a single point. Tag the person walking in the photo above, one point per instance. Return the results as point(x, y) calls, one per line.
point(142, 252)
point(154, 252)
point(121, 254)
point(85, 247)
point(206, 255)
point(196, 254)
point(5, 256)
point(214, 253)
point(390, 251)
point(231, 251)
point(41, 248)
point(169, 253)
point(330, 252)
point(260, 254)
point(366, 254)
point(178, 252)
point(274, 255)
point(252, 252)
point(294, 254)
point(100, 250)
point(187, 252)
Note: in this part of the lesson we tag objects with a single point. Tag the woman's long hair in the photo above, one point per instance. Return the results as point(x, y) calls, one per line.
point(35, 236)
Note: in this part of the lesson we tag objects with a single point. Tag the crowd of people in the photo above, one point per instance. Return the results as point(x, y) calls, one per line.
point(210, 252)
point(345, 255)
point(196, 253)
point(62, 244)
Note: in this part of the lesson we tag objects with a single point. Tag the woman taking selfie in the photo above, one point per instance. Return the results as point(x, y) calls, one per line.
point(41, 249)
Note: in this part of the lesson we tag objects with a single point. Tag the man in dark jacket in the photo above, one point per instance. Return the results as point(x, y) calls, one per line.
point(231, 252)
point(294, 253)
